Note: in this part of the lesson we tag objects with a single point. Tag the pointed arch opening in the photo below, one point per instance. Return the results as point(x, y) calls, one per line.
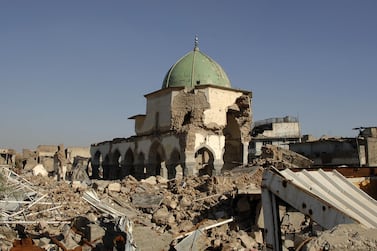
point(116, 167)
point(106, 166)
point(140, 172)
point(97, 168)
point(204, 161)
point(175, 169)
point(156, 159)
point(129, 168)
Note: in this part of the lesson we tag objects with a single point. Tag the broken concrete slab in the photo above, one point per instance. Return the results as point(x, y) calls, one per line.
point(114, 187)
point(40, 170)
point(284, 158)
point(146, 200)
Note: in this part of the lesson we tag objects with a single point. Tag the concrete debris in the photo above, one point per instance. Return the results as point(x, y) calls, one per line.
point(104, 214)
point(114, 187)
point(344, 237)
point(191, 242)
point(40, 170)
point(222, 212)
point(79, 174)
point(282, 158)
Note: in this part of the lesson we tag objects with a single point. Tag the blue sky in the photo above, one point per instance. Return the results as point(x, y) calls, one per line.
point(73, 71)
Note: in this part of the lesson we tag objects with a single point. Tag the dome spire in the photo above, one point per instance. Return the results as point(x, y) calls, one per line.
point(194, 69)
point(196, 48)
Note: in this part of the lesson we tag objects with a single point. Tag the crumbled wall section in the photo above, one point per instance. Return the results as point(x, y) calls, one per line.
point(281, 158)
point(188, 110)
point(243, 116)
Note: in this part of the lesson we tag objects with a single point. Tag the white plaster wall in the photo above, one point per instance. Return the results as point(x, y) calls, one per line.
point(219, 101)
point(160, 103)
point(123, 148)
point(258, 148)
point(169, 144)
point(215, 142)
point(143, 146)
point(281, 130)
point(103, 149)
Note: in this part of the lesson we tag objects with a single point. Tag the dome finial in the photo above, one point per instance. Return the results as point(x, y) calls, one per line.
point(196, 48)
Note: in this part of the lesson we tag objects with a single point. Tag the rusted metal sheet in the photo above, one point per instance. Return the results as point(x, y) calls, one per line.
point(353, 172)
point(25, 244)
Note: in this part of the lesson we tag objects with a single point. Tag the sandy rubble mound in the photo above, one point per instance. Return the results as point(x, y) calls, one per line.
point(205, 213)
point(169, 210)
point(345, 237)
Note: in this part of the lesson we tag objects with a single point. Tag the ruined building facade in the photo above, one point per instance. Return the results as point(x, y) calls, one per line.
point(195, 124)
point(274, 131)
point(7, 156)
point(360, 151)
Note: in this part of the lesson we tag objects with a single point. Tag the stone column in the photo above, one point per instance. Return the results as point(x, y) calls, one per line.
point(245, 153)
point(95, 171)
point(217, 166)
point(190, 164)
point(164, 170)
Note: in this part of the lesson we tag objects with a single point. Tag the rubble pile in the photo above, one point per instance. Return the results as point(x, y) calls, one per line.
point(345, 237)
point(188, 213)
point(282, 158)
point(74, 215)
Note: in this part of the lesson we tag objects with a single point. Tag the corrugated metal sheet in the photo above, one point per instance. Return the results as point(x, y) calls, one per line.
point(336, 190)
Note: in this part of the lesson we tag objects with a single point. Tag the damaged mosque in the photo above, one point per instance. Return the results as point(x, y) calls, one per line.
point(195, 124)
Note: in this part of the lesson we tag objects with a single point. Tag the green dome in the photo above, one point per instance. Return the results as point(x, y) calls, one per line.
point(195, 68)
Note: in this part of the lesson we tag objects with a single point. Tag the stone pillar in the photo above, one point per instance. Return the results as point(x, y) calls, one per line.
point(95, 171)
point(217, 166)
point(164, 170)
point(245, 153)
point(190, 164)
point(139, 171)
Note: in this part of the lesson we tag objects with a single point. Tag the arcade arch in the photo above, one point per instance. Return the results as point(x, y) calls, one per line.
point(174, 167)
point(129, 168)
point(204, 161)
point(156, 159)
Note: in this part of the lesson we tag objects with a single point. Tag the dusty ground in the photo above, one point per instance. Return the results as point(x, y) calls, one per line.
point(149, 240)
point(160, 210)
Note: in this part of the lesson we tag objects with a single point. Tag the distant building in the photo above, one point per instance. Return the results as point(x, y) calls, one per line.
point(329, 151)
point(368, 146)
point(45, 155)
point(7, 156)
point(358, 151)
point(195, 124)
point(74, 152)
point(274, 131)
